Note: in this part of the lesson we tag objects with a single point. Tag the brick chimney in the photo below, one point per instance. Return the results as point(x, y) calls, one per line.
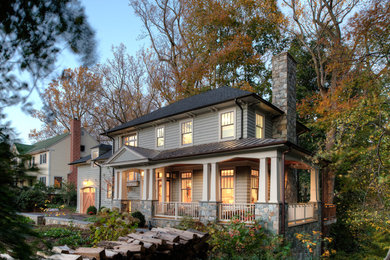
point(284, 96)
point(75, 142)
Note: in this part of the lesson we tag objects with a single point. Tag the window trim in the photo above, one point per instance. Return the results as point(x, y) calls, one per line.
point(181, 134)
point(258, 187)
point(43, 158)
point(233, 109)
point(234, 181)
point(156, 137)
point(128, 134)
point(192, 183)
point(263, 130)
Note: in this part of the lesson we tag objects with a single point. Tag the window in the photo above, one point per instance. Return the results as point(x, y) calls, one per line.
point(227, 186)
point(130, 140)
point(95, 154)
point(160, 136)
point(57, 182)
point(109, 191)
point(42, 180)
point(259, 126)
point(42, 158)
point(254, 185)
point(82, 148)
point(227, 124)
point(186, 186)
point(131, 176)
point(186, 133)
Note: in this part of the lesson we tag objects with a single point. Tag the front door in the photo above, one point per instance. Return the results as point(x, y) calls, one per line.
point(88, 199)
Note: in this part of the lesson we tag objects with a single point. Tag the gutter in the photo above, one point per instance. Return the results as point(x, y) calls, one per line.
point(242, 117)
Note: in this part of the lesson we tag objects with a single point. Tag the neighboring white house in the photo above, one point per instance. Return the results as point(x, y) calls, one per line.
point(53, 155)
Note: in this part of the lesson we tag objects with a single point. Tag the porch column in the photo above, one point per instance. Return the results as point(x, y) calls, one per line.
point(214, 185)
point(151, 183)
point(275, 180)
point(314, 184)
point(263, 180)
point(163, 188)
point(120, 185)
point(145, 184)
point(206, 172)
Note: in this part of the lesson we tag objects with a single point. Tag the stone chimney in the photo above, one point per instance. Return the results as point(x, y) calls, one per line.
point(284, 96)
point(75, 142)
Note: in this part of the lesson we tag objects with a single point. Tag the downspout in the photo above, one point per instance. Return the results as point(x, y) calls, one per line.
point(113, 170)
point(283, 226)
point(242, 117)
point(100, 184)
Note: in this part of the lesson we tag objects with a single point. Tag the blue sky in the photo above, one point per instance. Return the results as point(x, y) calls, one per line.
point(114, 23)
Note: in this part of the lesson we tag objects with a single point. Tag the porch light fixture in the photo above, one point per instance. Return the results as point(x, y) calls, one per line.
point(87, 183)
point(142, 173)
point(168, 175)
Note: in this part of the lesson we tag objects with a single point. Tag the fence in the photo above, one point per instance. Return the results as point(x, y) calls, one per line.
point(301, 212)
point(243, 211)
point(175, 209)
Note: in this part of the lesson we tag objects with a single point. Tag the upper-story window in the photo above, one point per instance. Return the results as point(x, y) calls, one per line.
point(94, 155)
point(259, 126)
point(186, 132)
point(130, 140)
point(42, 158)
point(160, 136)
point(227, 124)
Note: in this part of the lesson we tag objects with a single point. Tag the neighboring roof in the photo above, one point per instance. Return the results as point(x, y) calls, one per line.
point(81, 160)
point(42, 145)
point(23, 148)
point(103, 146)
point(211, 148)
point(211, 97)
point(104, 156)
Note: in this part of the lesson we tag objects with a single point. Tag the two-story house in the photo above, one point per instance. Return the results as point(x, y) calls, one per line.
point(219, 154)
point(53, 155)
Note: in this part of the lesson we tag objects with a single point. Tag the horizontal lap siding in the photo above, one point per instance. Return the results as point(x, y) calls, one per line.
point(172, 135)
point(268, 127)
point(147, 138)
point(197, 181)
point(242, 185)
point(251, 123)
point(175, 189)
point(205, 128)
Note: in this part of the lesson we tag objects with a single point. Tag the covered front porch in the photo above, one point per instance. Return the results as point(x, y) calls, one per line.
point(247, 186)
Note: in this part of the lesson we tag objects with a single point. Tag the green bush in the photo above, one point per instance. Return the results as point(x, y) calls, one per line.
point(237, 240)
point(191, 223)
point(112, 224)
point(140, 217)
point(91, 210)
point(32, 198)
point(66, 236)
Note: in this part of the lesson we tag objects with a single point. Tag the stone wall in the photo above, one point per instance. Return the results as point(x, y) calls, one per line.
point(208, 212)
point(297, 248)
point(269, 215)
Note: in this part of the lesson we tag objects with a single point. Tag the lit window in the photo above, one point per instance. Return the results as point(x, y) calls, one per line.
point(160, 136)
point(227, 186)
point(42, 158)
point(259, 126)
point(254, 185)
point(130, 175)
point(57, 182)
point(130, 140)
point(186, 187)
point(227, 125)
point(109, 191)
point(186, 133)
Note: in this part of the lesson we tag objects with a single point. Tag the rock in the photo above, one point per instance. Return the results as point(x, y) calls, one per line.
point(65, 257)
point(97, 252)
point(6, 256)
point(61, 249)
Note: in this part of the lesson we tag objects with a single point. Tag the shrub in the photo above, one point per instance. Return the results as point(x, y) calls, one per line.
point(70, 236)
point(31, 198)
point(140, 217)
point(112, 224)
point(91, 210)
point(237, 240)
point(191, 223)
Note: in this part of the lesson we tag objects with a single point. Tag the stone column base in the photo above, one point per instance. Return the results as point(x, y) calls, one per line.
point(269, 215)
point(208, 211)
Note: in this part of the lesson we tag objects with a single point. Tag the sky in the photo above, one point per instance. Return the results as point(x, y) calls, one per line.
point(114, 23)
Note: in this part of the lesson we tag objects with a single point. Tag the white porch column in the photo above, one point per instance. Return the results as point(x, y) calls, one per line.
point(275, 180)
point(163, 185)
point(205, 191)
point(145, 184)
point(151, 183)
point(120, 185)
point(214, 185)
point(314, 184)
point(263, 180)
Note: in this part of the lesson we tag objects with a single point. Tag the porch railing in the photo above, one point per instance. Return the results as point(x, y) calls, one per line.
point(301, 212)
point(243, 211)
point(176, 209)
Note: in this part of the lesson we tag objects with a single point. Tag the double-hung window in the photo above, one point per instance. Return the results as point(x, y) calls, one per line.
point(254, 185)
point(160, 136)
point(227, 186)
point(186, 132)
point(186, 186)
point(130, 140)
point(227, 124)
point(42, 158)
point(259, 126)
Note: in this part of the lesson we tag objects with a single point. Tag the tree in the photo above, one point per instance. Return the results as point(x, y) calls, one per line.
point(70, 96)
point(32, 33)
point(207, 44)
